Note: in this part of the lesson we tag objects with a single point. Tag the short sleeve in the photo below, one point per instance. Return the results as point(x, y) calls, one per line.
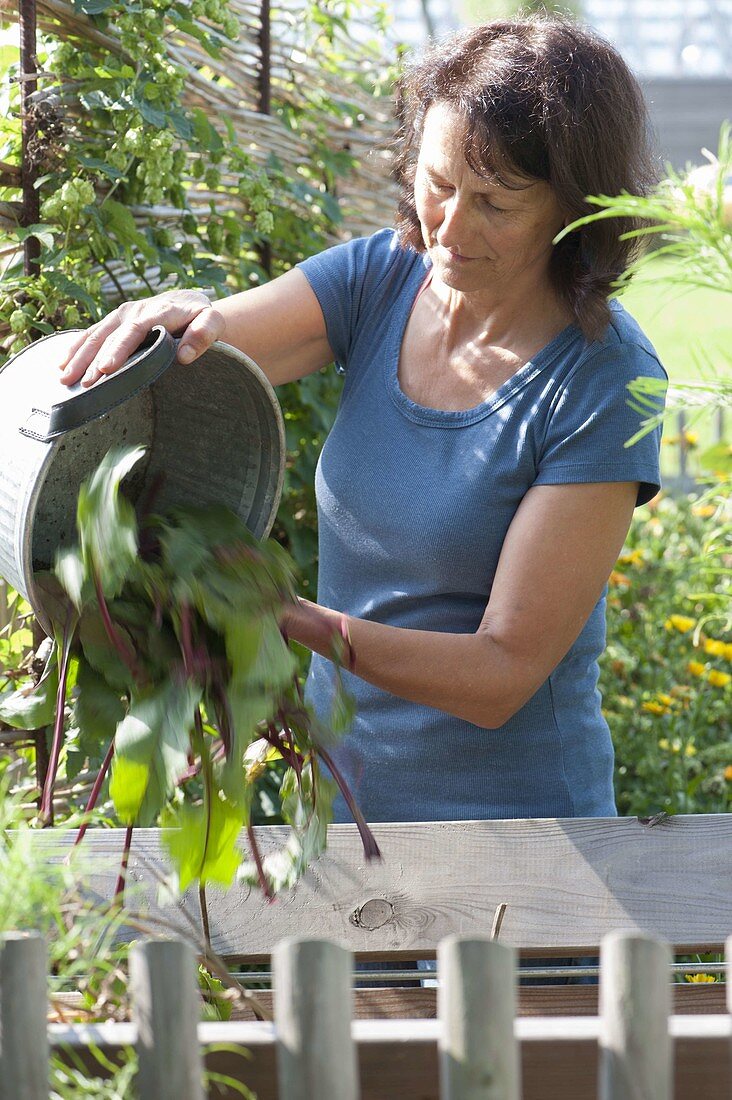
point(593, 419)
point(345, 279)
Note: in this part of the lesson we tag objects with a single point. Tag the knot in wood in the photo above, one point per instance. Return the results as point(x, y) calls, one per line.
point(373, 914)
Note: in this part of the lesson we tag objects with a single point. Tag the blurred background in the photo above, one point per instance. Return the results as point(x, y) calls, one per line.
point(681, 50)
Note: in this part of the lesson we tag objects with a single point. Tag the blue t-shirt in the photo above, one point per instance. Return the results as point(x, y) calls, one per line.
point(413, 507)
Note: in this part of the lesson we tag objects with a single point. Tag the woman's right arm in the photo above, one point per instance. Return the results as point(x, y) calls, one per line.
point(280, 325)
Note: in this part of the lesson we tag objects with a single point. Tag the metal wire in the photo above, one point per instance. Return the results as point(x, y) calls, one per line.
point(390, 976)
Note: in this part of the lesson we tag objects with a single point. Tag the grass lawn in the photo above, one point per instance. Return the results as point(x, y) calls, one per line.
point(684, 328)
point(692, 333)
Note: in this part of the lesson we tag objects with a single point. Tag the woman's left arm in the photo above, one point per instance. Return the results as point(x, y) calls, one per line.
point(557, 555)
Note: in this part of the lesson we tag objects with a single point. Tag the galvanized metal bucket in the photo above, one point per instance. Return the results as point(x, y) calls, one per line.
point(213, 429)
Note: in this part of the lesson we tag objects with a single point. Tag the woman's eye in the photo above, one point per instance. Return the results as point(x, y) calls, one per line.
point(492, 206)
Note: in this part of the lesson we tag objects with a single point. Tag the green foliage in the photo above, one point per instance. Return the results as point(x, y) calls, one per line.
point(667, 669)
point(70, 1078)
point(38, 894)
point(116, 144)
point(687, 216)
point(32, 706)
point(173, 627)
point(689, 220)
point(675, 751)
point(88, 946)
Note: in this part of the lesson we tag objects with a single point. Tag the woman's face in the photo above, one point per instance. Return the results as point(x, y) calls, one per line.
point(479, 235)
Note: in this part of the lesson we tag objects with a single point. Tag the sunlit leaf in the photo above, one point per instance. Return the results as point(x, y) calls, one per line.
point(33, 706)
point(106, 521)
point(203, 848)
point(151, 750)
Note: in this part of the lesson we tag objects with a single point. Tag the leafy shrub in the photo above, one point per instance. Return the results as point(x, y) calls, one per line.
point(667, 670)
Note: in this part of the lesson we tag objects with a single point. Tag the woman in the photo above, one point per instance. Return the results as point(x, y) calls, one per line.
point(475, 489)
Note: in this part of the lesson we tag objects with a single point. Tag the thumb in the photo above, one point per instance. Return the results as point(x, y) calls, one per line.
point(205, 328)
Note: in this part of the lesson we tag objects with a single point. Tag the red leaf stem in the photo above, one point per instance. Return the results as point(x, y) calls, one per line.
point(119, 889)
point(95, 791)
point(125, 653)
point(186, 638)
point(370, 847)
point(46, 811)
point(258, 863)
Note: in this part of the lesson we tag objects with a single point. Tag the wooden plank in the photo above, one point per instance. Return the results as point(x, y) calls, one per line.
point(566, 883)
point(316, 1056)
point(23, 1007)
point(399, 1058)
point(166, 1009)
point(635, 1003)
point(478, 1052)
point(560, 1000)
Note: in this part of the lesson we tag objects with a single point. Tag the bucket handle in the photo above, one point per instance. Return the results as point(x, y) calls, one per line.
point(154, 356)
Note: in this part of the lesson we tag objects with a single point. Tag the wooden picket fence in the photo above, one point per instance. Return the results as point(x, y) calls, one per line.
point(478, 1038)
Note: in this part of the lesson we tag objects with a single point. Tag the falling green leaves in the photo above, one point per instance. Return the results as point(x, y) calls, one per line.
point(151, 750)
point(179, 673)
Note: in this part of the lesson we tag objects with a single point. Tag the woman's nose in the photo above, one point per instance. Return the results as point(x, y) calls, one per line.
point(453, 231)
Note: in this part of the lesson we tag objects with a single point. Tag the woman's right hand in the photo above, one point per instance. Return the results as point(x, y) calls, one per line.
point(106, 346)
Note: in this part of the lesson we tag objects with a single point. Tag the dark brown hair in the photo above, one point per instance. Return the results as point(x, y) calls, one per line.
point(547, 99)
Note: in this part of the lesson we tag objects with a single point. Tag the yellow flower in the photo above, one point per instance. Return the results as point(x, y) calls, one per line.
point(696, 668)
point(719, 679)
point(714, 647)
point(619, 579)
point(728, 652)
point(675, 746)
point(634, 557)
point(691, 438)
point(654, 708)
point(682, 623)
point(700, 978)
point(728, 773)
point(703, 510)
point(666, 700)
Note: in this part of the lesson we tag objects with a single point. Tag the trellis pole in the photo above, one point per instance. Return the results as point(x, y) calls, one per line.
point(28, 85)
point(265, 96)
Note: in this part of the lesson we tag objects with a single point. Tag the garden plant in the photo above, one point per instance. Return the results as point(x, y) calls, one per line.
point(667, 671)
point(167, 629)
point(115, 147)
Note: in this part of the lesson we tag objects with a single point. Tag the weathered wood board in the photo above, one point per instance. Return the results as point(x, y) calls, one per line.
point(566, 882)
point(398, 1058)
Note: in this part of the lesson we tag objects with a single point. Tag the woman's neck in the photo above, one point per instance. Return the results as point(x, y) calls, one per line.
point(501, 319)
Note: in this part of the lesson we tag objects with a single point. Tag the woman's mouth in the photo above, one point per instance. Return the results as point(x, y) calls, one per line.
point(455, 257)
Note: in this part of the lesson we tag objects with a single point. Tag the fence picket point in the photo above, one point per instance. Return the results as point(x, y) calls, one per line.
point(316, 1055)
point(476, 1007)
point(636, 1054)
point(165, 1007)
point(23, 1015)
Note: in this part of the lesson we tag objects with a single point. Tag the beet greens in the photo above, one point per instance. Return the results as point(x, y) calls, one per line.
point(179, 679)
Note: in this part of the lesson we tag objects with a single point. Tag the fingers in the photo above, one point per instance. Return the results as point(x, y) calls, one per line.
point(83, 350)
point(114, 351)
point(106, 346)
